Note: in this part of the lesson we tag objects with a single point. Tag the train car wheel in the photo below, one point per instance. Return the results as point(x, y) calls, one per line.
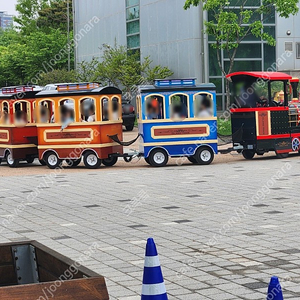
point(73, 162)
point(248, 154)
point(52, 161)
point(42, 162)
point(192, 159)
point(158, 158)
point(282, 155)
point(204, 156)
point(13, 163)
point(109, 162)
point(147, 160)
point(30, 160)
point(91, 160)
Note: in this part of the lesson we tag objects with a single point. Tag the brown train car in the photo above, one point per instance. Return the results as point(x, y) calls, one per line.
point(66, 132)
point(18, 132)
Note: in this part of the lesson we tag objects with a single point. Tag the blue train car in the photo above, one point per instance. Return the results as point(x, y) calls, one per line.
point(177, 118)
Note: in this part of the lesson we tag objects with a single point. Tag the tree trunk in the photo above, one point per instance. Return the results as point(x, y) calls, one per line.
point(227, 89)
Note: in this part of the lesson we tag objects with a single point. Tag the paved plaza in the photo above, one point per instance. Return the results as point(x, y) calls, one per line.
point(221, 230)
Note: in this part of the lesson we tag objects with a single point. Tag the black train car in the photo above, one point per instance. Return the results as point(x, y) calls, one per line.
point(259, 123)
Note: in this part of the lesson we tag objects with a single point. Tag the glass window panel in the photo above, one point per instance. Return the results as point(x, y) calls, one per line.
point(255, 16)
point(269, 57)
point(250, 36)
point(133, 27)
point(269, 18)
point(218, 83)
point(211, 38)
point(214, 69)
point(219, 102)
point(245, 3)
point(247, 51)
point(133, 41)
point(132, 2)
point(270, 30)
point(132, 13)
point(247, 65)
point(210, 16)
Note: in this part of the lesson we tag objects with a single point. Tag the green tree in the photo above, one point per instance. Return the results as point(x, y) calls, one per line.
point(28, 50)
point(227, 25)
point(57, 76)
point(28, 13)
point(123, 69)
point(23, 60)
point(54, 16)
point(86, 71)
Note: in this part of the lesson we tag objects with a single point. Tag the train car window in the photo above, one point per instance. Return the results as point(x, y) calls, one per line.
point(67, 112)
point(105, 109)
point(155, 107)
point(116, 109)
point(22, 114)
point(203, 106)
point(4, 114)
point(46, 112)
point(87, 110)
point(179, 106)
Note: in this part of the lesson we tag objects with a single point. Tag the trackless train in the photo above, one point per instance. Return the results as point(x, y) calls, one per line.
point(176, 118)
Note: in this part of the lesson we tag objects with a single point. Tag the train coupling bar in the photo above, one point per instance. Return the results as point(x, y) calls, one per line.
point(130, 155)
point(236, 147)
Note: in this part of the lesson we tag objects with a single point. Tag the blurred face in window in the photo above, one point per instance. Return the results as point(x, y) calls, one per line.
point(67, 113)
point(44, 114)
point(116, 109)
point(20, 117)
point(153, 108)
point(203, 107)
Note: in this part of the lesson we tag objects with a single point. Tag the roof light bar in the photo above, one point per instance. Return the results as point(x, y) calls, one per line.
point(77, 86)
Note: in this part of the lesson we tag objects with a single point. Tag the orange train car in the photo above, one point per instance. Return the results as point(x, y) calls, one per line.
point(75, 121)
point(18, 132)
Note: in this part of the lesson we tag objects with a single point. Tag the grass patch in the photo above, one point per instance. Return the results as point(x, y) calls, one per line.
point(224, 127)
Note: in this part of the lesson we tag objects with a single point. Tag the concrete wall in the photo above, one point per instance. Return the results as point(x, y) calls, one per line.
point(110, 29)
point(291, 63)
point(172, 36)
point(169, 34)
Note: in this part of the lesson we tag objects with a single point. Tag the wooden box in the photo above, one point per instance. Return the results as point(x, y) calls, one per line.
point(31, 271)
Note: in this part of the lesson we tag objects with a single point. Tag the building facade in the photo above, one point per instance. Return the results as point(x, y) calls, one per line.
point(6, 20)
point(170, 35)
point(288, 45)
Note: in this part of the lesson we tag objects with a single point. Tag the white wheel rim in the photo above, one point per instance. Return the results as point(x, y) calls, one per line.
point(92, 160)
point(159, 158)
point(295, 144)
point(10, 160)
point(52, 160)
point(205, 155)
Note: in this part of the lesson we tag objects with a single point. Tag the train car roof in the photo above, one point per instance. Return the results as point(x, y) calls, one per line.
point(108, 90)
point(157, 89)
point(19, 96)
point(263, 75)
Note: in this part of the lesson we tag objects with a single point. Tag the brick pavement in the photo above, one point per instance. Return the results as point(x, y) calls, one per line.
point(212, 244)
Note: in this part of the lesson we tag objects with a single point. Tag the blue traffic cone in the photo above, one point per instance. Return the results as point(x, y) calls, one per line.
point(274, 289)
point(153, 282)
